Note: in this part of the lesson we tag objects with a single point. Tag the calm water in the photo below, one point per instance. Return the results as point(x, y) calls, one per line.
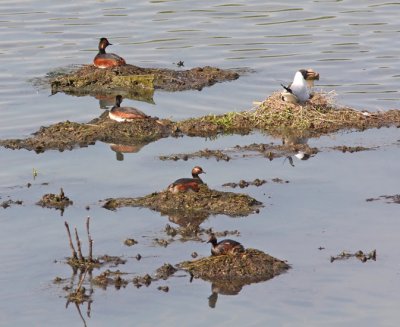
point(352, 44)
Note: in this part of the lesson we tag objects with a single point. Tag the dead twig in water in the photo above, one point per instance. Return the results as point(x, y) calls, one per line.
point(90, 240)
point(78, 242)
point(71, 245)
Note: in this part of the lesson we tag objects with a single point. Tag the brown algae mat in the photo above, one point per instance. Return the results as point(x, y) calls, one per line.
point(206, 201)
point(92, 80)
point(248, 267)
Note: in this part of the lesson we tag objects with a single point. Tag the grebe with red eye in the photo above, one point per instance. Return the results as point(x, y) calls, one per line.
point(105, 60)
point(188, 184)
point(121, 114)
point(225, 246)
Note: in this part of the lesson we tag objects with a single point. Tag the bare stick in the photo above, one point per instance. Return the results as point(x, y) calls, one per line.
point(90, 258)
point(71, 245)
point(81, 281)
point(78, 242)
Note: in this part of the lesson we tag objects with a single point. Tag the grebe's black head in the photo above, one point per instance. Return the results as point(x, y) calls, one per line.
point(212, 239)
point(197, 170)
point(118, 100)
point(103, 44)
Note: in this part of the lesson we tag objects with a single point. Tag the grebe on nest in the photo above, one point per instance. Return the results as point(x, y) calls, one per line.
point(121, 114)
point(105, 60)
point(188, 184)
point(225, 246)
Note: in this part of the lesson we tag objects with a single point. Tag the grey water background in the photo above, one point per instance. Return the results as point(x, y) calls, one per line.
point(352, 44)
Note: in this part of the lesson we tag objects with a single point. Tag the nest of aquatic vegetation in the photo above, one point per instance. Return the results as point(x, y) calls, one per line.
point(68, 135)
point(318, 116)
point(249, 266)
point(89, 79)
point(207, 201)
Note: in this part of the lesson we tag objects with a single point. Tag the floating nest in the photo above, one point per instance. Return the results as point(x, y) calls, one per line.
point(273, 116)
point(319, 116)
point(68, 135)
point(133, 81)
point(201, 204)
point(246, 267)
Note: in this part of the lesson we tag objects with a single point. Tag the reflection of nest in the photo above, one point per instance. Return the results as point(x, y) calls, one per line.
point(231, 287)
point(224, 288)
point(187, 220)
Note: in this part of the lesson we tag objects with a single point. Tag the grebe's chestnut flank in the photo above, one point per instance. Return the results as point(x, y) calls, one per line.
point(188, 184)
point(105, 60)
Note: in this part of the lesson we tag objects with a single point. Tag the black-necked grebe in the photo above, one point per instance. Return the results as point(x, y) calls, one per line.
point(225, 246)
point(121, 114)
point(188, 184)
point(105, 60)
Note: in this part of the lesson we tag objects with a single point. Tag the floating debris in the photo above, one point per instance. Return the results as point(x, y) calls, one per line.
point(130, 242)
point(242, 183)
point(206, 153)
point(108, 278)
point(163, 288)
point(56, 201)
point(391, 198)
point(360, 255)
point(8, 203)
point(165, 271)
point(351, 149)
point(139, 281)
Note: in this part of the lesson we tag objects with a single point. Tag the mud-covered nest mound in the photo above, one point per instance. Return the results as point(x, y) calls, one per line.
point(275, 116)
point(249, 266)
point(91, 80)
point(68, 135)
point(207, 201)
